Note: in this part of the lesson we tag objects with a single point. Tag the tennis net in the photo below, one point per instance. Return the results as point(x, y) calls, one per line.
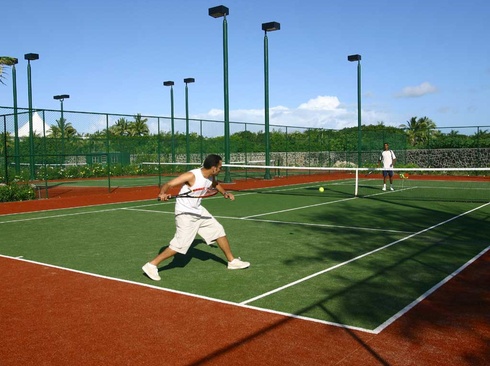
point(438, 184)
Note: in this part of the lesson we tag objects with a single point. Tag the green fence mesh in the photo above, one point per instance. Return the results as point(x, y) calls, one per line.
point(73, 145)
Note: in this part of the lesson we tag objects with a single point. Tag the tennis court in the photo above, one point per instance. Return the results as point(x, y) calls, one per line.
point(352, 262)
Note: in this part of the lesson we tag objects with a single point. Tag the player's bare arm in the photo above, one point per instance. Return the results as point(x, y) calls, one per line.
point(185, 178)
point(223, 191)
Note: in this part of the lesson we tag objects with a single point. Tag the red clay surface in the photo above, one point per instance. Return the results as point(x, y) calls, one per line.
point(50, 316)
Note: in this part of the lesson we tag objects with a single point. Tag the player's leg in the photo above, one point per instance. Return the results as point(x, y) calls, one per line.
point(224, 245)
point(186, 230)
point(166, 254)
point(233, 262)
point(211, 230)
point(151, 268)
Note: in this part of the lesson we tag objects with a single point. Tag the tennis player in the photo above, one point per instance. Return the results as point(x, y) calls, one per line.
point(388, 159)
point(191, 218)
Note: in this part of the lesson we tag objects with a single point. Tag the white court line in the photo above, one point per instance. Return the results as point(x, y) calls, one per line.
point(191, 295)
point(422, 297)
point(252, 217)
point(244, 304)
point(58, 216)
point(72, 208)
point(76, 213)
point(284, 222)
point(314, 225)
point(322, 204)
point(356, 258)
point(151, 211)
point(299, 208)
point(108, 210)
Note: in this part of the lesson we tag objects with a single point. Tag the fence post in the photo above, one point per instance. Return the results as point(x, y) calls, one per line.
point(5, 149)
point(108, 153)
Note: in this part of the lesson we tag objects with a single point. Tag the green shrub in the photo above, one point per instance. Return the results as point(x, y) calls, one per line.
point(16, 191)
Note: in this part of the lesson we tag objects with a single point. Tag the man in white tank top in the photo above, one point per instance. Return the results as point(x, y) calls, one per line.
point(192, 219)
point(388, 160)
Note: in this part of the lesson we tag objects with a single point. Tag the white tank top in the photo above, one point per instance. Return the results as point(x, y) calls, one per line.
point(192, 205)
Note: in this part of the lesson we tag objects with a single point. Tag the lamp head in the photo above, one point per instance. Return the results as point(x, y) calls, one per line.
point(189, 80)
point(31, 56)
point(219, 11)
point(61, 97)
point(354, 58)
point(168, 83)
point(271, 26)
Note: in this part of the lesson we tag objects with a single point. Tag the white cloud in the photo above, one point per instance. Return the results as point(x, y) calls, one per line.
point(320, 112)
point(324, 103)
point(417, 91)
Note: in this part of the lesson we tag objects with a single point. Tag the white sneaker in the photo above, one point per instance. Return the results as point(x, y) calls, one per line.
point(151, 271)
point(383, 189)
point(391, 189)
point(237, 263)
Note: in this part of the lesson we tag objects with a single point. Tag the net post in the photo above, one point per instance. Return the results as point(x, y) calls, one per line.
point(356, 190)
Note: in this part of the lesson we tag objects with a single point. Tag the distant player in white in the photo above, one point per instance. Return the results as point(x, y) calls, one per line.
point(388, 160)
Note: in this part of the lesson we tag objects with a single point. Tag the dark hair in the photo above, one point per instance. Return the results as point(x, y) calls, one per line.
point(211, 160)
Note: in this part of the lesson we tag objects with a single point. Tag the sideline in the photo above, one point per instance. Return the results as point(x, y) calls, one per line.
point(422, 297)
point(358, 257)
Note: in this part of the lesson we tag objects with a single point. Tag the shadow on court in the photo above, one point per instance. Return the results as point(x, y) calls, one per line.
point(182, 260)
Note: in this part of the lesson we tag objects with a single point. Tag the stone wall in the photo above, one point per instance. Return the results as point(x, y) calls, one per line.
point(423, 158)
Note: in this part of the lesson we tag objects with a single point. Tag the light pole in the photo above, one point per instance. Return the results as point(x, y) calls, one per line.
point(267, 27)
point(12, 61)
point(187, 138)
point(16, 118)
point(218, 12)
point(171, 85)
point(61, 98)
point(30, 57)
point(357, 58)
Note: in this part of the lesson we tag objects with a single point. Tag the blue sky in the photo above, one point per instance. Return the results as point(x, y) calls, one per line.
point(419, 58)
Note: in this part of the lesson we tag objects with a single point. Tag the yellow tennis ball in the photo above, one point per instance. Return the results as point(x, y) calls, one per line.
point(321, 189)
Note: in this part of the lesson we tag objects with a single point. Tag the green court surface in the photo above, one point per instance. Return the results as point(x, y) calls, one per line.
point(104, 182)
point(330, 257)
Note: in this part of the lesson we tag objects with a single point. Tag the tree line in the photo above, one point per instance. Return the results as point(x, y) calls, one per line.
point(134, 137)
point(415, 133)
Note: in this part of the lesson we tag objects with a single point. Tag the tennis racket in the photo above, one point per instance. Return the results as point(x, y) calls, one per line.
point(196, 193)
point(370, 171)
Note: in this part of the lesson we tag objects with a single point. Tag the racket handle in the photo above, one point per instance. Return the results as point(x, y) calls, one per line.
point(159, 199)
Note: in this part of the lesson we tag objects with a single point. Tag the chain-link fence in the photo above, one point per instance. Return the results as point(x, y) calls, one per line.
point(57, 144)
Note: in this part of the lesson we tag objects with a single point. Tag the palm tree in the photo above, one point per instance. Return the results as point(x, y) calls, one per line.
point(430, 130)
point(482, 138)
point(481, 134)
point(420, 130)
point(139, 126)
point(5, 61)
point(121, 127)
point(5, 140)
point(63, 128)
point(412, 130)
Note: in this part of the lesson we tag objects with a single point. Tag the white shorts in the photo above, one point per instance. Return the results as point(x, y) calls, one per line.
point(189, 225)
